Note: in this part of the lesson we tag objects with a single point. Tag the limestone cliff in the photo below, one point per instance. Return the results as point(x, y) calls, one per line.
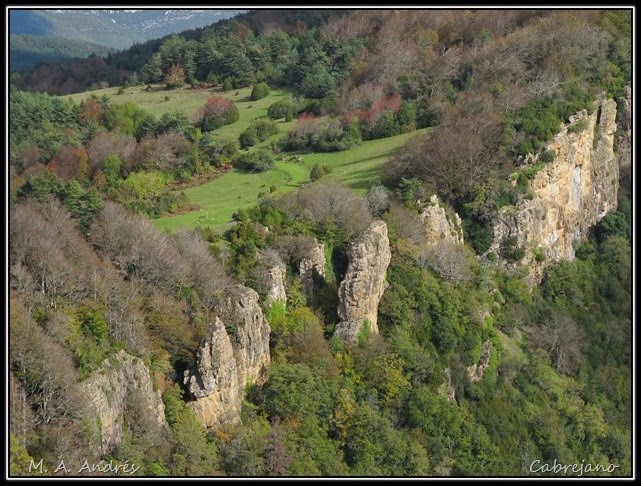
point(439, 227)
point(275, 281)
point(364, 283)
point(313, 263)
point(215, 385)
point(570, 194)
point(234, 353)
point(122, 380)
point(249, 333)
point(623, 139)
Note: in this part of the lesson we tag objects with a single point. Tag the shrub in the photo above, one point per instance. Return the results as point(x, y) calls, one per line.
point(280, 109)
point(547, 156)
point(578, 126)
point(217, 152)
point(478, 235)
point(260, 91)
point(254, 162)
point(217, 112)
point(259, 131)
point(538, 253)
point(248, 138)
point(319, 171)
point(121, 91)
point(511, 251)
point(323, 134)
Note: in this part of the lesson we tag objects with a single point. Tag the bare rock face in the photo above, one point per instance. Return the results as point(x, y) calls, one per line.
point(438, 226)
point(571, 194)
point(450, 392)
point(249, 333)
point(364, 283)
point(235, 353)
point(121, 377)
point(476, 371)
point(275, 277)
point(624, 137)
point(215, 384)
point(312, 264)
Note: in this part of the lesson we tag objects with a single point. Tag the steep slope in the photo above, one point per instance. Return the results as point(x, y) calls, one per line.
point(570, 194)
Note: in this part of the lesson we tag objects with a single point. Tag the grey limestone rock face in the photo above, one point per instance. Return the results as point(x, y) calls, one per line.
point(570, 194)
point(234, 353)
point(215, 382)
point(108, 390)
point(312, 263)
point(439, 227)
point(275, 277)
point(364, 283)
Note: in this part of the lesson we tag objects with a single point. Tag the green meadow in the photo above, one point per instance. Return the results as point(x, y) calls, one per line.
point(358, 167)
point(219, 199)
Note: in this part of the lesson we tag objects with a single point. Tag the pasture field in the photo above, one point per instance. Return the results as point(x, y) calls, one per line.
point(358, 167)
point(219, 199)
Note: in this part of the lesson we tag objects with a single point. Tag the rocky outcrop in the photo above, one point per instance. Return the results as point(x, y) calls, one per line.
point(123, 381)
point(570, 194)
point(364, 283)
point(450, 392)
point(275, 281)
point(215, 385)
point(439, 227)
point(623, 139)
point(235, 353)
point(249, 333)
point(476, 371)
point(311, 266)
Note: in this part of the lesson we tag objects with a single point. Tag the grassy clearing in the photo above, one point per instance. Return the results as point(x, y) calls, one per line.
point(188, 101)
point(220, 198)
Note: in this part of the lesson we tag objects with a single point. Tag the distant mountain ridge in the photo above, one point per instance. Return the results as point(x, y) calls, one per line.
point(113, 28)
point(30, 50)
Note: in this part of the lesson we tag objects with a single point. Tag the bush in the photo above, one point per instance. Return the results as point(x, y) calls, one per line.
point(217, 112)
point(280, 109)
point(217, 152)
point(121, 91)
point(479, 235)
point(579, 126)
point(260, 91)
point(259, 131)
point(319, 171)
point(511, 251)
point(547, 156)
point(254, 162)
point(323, 134)
point(538, 253)
point(248, 138)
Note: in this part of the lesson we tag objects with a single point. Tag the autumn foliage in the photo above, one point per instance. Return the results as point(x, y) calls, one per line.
point(217, 112)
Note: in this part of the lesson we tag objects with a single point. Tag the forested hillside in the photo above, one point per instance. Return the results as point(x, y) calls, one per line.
point(28, 51)
point(434, 278)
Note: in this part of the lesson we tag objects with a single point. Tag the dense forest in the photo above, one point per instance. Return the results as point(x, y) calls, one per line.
point(474, 371)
